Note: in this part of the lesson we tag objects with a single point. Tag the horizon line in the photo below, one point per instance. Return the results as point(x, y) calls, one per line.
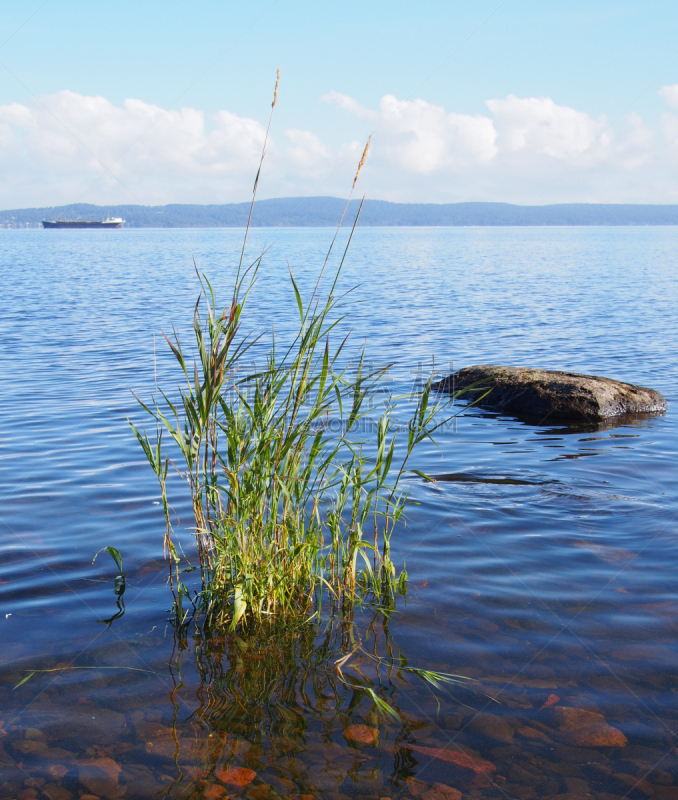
point(304, 198)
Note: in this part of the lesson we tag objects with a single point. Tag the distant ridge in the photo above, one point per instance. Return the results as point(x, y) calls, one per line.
point(326, 211)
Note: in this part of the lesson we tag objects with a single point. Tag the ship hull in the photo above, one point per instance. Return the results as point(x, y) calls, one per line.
point(79, 224)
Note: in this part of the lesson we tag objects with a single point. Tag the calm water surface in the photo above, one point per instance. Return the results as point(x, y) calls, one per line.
point(542, 563)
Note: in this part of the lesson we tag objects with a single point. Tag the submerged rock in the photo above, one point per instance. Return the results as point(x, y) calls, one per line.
point(56, 792)
point(533, 733)
point(454, 755)
point(214, 791)
point(550, 394)
point(363, 734)
point(57, 771)
point(493, 727)
point(580, 728)
point(28, 746)
point(236, 776)
point(164, 748)
point(436, 791)
point(100, 777)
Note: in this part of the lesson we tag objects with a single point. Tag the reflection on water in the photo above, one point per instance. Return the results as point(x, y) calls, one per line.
point(542, 559)
point(312, 710)
point(268, 716)
point(466, 477)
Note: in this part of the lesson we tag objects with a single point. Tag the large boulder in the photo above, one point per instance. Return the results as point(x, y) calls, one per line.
point(548, 394)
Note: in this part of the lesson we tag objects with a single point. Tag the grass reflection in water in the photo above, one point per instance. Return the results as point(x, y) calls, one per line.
point(309, 710)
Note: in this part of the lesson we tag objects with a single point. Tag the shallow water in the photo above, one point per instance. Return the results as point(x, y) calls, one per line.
point(542, 562)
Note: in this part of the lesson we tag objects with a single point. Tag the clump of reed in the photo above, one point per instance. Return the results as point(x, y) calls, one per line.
point(288, 506)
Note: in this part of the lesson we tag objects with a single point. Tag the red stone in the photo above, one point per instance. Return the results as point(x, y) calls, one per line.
point(362, 734)
point(236, 776)
point(478, 765)
point(214, 791)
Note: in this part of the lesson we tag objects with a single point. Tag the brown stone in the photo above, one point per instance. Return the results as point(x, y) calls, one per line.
point(520, 792)
point(572, 796)
point(89, 722)
point(55, 792)
point(57, 771)
point(236, 776)
point(362, 734)
point(435, 791)
point(28, 746)
point(190, 770)
point(35, 783)
point(597, 736)
point(163, 747)
point(151, 730)
point(580, 728)
point(456, 754)
point(522, 776)
point(440, 791)
point(629, 782)
point(214, 791)
point(453, 721)
point(660, 777)
point(533, 733)
point(548, 394)
point(100, 776)
point(140, 782)
point(56, 754)
point(9, 788)
point(493, 727)
point(577, 786)
point(259, 792)
point(323, 781)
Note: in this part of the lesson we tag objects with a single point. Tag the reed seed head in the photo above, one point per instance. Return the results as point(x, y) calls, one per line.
point(275, 93)
point(362, 160)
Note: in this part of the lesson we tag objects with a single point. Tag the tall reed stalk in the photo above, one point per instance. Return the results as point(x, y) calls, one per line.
point(288, 507)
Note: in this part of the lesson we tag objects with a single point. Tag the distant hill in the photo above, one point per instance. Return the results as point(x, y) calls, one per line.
point(326, 211)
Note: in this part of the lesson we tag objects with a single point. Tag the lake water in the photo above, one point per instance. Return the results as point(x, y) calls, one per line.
point(542, 563)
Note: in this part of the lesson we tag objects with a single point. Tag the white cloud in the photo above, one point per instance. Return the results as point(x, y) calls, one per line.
point(420, 137)
point(308, 151)
point(670, 95)
point(541, 126)
point(523, 149)
point(70, 139)
point(531, 149)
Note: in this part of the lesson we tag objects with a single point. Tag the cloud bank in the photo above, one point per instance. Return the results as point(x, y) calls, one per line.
point(67, 147)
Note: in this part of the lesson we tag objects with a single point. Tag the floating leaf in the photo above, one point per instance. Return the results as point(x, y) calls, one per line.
point(24, 680)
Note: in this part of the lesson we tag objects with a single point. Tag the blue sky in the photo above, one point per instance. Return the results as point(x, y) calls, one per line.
point(443, 63)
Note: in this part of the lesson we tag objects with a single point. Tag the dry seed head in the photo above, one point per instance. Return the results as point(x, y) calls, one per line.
point(275, 93)
point(362, 160)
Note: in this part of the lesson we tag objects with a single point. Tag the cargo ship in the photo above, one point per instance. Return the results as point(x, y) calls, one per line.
point(111, 222)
